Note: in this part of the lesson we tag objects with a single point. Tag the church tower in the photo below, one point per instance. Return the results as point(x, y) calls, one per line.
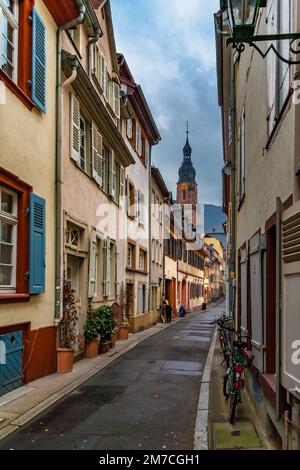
point(187, 192)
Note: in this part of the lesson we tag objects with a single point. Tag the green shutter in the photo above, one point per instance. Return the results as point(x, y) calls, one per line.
point(38, 87)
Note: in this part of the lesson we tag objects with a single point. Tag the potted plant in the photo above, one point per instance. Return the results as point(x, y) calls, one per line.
point(68, 330)
point(114, 336)
point(91, 335)
point(124, 330)
point(105, 325)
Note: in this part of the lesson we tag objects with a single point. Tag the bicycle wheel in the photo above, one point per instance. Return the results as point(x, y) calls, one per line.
point(233, 405)
point(225, 387)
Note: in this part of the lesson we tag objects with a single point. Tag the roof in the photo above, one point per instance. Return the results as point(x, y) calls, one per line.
point(138, 101)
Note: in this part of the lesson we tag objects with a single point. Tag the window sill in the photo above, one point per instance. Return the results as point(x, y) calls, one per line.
point(269, 385)
point(10, 298)
point(13, 87)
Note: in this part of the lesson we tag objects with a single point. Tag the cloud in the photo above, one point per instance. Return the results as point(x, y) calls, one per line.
point(169, 46)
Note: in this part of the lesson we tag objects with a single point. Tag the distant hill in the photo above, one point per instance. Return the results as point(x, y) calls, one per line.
point(214, 219)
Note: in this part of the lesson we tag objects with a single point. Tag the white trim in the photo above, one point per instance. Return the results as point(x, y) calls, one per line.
point(13, 21)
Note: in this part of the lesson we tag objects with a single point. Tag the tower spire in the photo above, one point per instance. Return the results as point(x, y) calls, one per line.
point(187, 151)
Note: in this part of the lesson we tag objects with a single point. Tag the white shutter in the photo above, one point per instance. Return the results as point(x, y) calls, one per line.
point(102, 74)
point(97, 155)
point(141, 208)
point(256, 295)
point(112, 174)
point(106, 268)
point(140, 299)
point(138, 144)
point(290, 326)
point(129, 128)
point(122, 181)
point(116, 98)
point(92, 264)
point(75, 129)
point(134, 209)
point(244, 295)
point(147, 152)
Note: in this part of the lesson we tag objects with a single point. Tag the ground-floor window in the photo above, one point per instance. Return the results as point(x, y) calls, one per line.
point(8, 239)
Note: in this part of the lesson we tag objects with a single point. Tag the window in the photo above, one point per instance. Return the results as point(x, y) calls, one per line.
point(73, 237)
point(131, 200)
point(131, 256)
point(8, 239)
point(138, 141)
point(142, 260)
point(141, 209)
point(9, 37)
point(83, 142)
point(241, 158)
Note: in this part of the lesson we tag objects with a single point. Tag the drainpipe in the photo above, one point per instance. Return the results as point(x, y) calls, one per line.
point(58, 257)
point(92, 41)
point(232, 262)
point(150, 231)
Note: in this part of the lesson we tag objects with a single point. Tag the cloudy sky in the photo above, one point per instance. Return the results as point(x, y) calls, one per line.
point(169, 46)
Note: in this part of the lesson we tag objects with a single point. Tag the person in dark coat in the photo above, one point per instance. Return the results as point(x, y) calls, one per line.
point(168, 312)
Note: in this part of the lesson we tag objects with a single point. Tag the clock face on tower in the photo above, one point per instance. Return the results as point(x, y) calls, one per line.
point(184, 186)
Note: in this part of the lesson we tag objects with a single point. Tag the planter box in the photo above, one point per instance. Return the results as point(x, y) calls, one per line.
point(123, 333)
point(103, 347)
point(65, 360)
point(91, 348)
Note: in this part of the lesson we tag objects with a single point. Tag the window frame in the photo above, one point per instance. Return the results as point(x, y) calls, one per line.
point(13, 20)
point(10, 219)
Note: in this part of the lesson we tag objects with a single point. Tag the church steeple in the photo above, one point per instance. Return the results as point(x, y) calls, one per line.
point(187, 150)
point(187, 173)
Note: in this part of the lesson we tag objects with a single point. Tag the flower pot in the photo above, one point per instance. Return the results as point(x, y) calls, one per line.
point(65, 360)
point(91, 348)
point(103, 347)
point(113, 339)
point(123, 333)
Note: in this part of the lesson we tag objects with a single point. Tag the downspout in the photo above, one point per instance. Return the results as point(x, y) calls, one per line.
point(58, 257)
point(232, 263)
point(92, 41)
point(150, 231)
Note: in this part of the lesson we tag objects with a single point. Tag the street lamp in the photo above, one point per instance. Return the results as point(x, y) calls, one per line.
point(243, 16)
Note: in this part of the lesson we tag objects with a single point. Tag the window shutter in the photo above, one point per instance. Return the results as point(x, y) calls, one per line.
point(75, 129)
point(38, 61)
point(92, 264)
point(37, 252)
point(116, 254)
point(112, 175)
point(134, 210)
point(129, 128)
point(147, 152)
point(97, 141)
point(122, 181)
point(116, 95)
point(142, 209)
point(108, 274)
point(102, 74)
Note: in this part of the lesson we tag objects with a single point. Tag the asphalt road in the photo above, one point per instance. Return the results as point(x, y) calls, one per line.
point(147, 399)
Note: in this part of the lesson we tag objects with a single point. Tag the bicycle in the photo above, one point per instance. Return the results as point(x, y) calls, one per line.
point(233, 380)
point(225, 330)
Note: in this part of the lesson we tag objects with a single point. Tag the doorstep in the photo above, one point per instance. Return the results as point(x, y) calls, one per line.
point(23, 404)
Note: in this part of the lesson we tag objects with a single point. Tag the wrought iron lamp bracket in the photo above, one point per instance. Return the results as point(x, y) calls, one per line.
point(252, 42)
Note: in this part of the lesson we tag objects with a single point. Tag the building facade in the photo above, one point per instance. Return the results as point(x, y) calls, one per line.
point(159, 194)
point(261, 196)
point(140, 133)
point(27, 181)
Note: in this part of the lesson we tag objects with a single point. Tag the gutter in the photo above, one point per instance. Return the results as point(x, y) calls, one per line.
point(99, 34)
point(58, 196)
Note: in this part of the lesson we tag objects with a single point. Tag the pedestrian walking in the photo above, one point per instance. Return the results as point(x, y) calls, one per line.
point(169, 312)
point(163, 309)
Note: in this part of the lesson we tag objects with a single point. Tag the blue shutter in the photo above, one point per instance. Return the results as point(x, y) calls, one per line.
point(37, 245)
point(38, 61)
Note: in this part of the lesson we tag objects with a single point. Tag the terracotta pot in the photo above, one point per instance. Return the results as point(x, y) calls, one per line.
point(123, 333)
point(113, 339)
point(65, 360)
point(103, 347)
point(91, 348)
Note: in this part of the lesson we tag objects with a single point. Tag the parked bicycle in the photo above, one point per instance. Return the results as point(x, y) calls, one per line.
point(233, 380)
point(225, 331)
